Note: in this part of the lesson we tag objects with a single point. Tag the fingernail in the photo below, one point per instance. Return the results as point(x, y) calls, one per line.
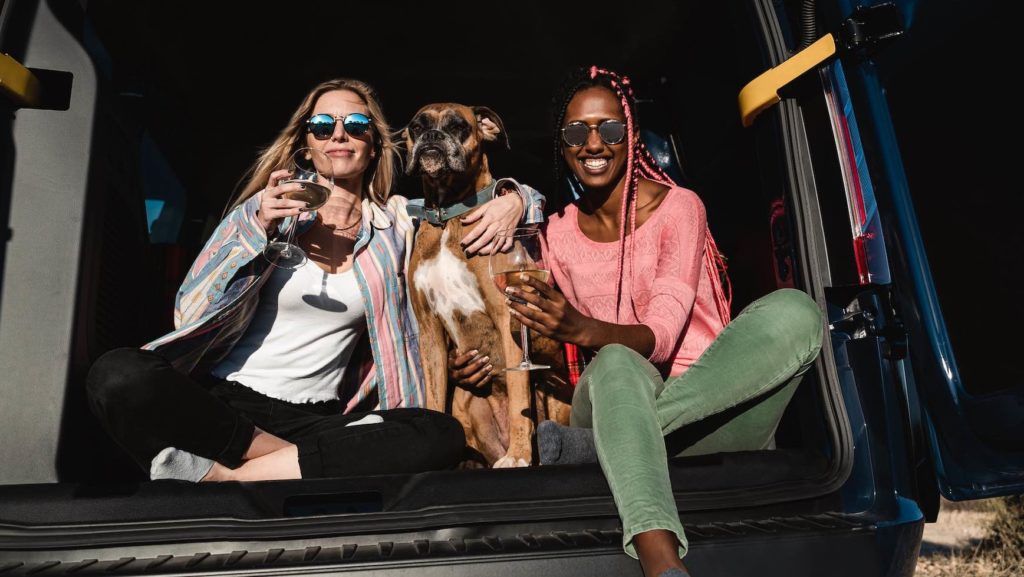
point(485, 359)
point(474, 352)
point(489, 367)
point(510, 290)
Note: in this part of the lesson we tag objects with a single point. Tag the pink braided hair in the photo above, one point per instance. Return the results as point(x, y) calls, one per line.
point(640, 163)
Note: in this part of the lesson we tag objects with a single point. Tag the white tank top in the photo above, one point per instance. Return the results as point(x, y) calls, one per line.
point(301, 337)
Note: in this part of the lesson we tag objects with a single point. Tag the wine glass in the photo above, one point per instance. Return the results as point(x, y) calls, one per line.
point(312, 168)
point(510, 268)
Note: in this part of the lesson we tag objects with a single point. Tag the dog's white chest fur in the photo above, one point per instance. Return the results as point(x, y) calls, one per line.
point(449, 288)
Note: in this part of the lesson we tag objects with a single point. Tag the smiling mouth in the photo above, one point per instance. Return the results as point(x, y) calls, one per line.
point(594, 165)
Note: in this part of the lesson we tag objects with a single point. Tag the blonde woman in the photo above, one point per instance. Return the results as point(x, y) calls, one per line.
point(270, 371)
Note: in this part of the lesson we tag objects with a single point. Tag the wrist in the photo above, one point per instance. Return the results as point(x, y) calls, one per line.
point(269, 226)
point(522, 204)
point(266, 224)
point(583, 335)
point(516, 193)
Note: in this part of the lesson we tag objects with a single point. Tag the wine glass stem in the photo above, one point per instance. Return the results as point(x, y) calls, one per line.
point(289, 242)
point(524, 334)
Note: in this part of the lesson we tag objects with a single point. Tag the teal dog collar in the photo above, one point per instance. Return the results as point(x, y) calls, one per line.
point(440, 215)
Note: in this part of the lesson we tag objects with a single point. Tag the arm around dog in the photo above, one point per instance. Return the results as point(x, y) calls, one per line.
point(491, 220)
point(533, 200)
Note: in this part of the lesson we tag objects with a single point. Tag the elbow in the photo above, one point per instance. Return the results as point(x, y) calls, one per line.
point(665, 341)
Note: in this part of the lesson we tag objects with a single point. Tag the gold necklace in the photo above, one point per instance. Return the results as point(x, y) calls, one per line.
point(344, 231)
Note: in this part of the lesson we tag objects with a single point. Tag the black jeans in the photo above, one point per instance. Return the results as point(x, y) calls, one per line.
point(147, 405)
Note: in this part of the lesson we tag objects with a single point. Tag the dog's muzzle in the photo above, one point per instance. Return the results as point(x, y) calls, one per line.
point(434, 153)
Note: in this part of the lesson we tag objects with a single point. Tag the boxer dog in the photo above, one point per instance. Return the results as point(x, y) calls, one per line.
point(455, 299)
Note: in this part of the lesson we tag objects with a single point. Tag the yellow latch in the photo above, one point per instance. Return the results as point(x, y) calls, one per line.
point(762, 92)
point(18, 82)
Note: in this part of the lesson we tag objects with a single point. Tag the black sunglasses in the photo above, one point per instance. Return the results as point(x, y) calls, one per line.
point(321, 126)
point(611, 132)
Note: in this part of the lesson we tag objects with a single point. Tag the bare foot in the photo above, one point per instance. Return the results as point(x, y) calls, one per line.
point(658, 550)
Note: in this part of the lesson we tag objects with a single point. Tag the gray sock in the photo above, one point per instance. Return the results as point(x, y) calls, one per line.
point(174, 463)
point(674, 572)
point(561, 445)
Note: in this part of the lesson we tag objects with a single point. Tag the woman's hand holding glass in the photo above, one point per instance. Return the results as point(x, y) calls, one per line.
point(308, 180)
point(546, 310)
point(273, 206)
point(512, 268)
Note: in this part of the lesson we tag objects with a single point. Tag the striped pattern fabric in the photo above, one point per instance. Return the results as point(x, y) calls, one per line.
point(383, 249)
point(218, 297)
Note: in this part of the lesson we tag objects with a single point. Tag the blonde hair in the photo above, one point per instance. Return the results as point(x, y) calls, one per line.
point(380, 175)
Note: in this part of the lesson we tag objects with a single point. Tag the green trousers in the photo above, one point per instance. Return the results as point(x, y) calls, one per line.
point(730, 399)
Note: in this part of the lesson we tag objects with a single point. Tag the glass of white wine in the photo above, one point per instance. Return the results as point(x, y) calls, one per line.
point(510, 268)
point(313, 169)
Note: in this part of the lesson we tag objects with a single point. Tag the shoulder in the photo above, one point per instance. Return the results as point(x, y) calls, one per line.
point(394, 212)
point(396, 203)
point(682, 201)
point(559, 228)
point(681, 220)
point(561, 222)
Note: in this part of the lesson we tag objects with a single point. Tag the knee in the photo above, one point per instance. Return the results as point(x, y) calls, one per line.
point(799, 317)
point(615, 356)
point(441, 441)
point(117, 376)
point(614, 366)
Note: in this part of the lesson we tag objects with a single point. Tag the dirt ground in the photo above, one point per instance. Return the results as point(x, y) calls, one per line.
point(959, 543)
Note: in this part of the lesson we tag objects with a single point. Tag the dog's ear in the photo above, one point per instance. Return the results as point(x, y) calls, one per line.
point(491, 125)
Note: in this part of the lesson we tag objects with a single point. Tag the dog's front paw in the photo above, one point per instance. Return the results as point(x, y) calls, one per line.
point(510, 462)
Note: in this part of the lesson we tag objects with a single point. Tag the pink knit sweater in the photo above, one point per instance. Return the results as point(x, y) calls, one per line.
point(669, 286)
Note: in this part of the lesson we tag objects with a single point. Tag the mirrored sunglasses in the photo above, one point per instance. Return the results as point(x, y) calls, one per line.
point(321, 126)
point(611, 132)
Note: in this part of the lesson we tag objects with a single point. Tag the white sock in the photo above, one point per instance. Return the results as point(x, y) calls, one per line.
point(370, 419)
point(174, 463)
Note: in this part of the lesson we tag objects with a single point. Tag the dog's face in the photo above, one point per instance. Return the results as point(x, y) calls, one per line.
point(445, 142)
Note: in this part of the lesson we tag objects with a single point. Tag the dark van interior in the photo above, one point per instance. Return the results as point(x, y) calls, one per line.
point(178, 123)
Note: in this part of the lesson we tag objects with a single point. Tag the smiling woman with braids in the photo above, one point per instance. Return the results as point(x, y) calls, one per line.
point(638, 279)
